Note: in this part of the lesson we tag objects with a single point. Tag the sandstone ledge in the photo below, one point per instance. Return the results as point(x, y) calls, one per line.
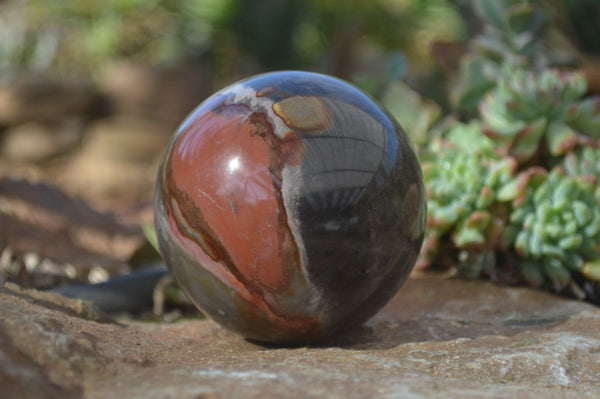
point(437, 338)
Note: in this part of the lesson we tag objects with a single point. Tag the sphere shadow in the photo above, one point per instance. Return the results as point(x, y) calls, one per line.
point(444, 309)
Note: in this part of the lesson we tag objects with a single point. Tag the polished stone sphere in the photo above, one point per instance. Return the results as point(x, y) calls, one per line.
point(290, 207)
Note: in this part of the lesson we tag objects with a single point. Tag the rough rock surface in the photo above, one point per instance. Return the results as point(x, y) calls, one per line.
point(437, 338)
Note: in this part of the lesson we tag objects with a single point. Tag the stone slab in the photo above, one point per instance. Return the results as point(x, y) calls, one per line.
point(438, 337)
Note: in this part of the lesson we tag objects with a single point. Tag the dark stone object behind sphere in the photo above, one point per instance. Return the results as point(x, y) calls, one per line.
point(290, 207)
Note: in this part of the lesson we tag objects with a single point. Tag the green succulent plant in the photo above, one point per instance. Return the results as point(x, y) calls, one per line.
point(530, 114)
point(491, 195)
point(462, 177)
point(514, 194)
point(554, 226)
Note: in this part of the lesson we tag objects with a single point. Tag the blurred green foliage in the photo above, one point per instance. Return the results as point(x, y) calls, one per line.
point(232, 37)
point(580, 18)
point(513, 34)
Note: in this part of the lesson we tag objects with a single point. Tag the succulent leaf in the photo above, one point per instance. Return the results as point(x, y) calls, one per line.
point(494, 12)
point(585, 116)
point(561, 138)
point(585, 164)
point(591, 270)
point(465, 236)
point(527, 141)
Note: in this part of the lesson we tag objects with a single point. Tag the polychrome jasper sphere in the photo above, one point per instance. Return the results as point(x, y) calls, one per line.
point(290, 207)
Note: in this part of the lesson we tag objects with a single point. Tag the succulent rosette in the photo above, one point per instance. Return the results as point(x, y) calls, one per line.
point(554, 226)
point(531, 114)
point(462, 176)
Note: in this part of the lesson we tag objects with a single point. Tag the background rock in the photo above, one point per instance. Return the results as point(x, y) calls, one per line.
point(166, 94)
point(100, 142)
point(35, 142)
point(118, 161)
point(437, 338)
point(31, 98)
